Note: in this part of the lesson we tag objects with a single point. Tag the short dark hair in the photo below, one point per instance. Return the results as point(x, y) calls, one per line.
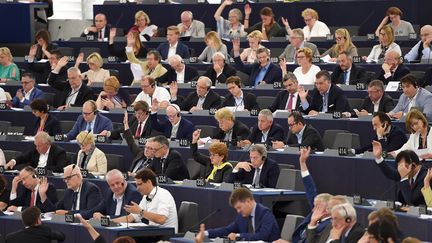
point(28, 75)
point(409, 156)
point(234, 80)
point(161, 139)
point(30, 216)
point(44, 34)
point(240, 195)
point(324, 73)
point(409, 79)
point(382, 116)
point(57, 53)
point(298, 117)
point(156, 54)
point(267, 11)
point(141, 105)
point(124, 239)
point(145, 175)
point(39, 105)
point(382, 230)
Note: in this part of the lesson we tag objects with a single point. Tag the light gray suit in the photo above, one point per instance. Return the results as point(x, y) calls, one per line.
point(197, 29)
point(290, 51)
point(423, 101)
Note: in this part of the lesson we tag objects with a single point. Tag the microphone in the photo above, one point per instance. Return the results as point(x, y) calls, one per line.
point(202, 220)
point(58, 32)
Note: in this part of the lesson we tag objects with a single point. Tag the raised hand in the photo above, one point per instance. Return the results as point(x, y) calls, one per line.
point(173, 89)
point(377, 149)
point(43, 188)
point(302, 93)
point(236, 46)
point(80, 58)
point(285, 22)
point(32, 52)
point(126, 121)
point(196, 135)
point(247, 9)
point(62, 62)
point(113, 32)
point(130, 39)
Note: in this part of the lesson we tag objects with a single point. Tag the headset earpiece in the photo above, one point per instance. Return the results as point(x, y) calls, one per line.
point(34, 176)
point(348, 219)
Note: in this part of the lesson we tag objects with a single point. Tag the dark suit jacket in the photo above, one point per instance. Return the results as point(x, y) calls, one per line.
point(407, 195)
point(357, 75)
point(90, 197)
point(50, 47)
point(354, 235)
point(274, 73)
point(185, 129)
point(268, 176)
point(220, 176)
point(52, 126)
point(266, 227)
point(133, 126)
point(24, 196)
point(96, 34)
point(337, 101)
point(35, 94)
point(249, 101)
point(239, 130)
point(182, 50)
point(427, 79)
point(137, 152)
point(174, 167)
point(394, 140)
point(227, 72)
point(101, 123)
point(56, 159)
point(85, 93)
point(281, 100)
point(212, 100)
point(108, 206)
point(400, 71)
point(171, 75)
point(42, 71)
point(311, 137)
point(386, 104)
point(35, 234)
point(276, 133)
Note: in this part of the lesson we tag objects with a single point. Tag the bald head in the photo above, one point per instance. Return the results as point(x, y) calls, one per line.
point(426, 33)
point(392, 58)
point(100, 21)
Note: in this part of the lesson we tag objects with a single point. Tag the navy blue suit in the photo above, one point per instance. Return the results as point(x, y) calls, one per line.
point(268, 176)
point(52, 126)
point(394, 140)
point(185, 129)
point(108, 205)
point(337, 101)
point(24, 196)
point(276, 133)
point(182, 50)
point(266, 228)
point(273, 74)
point(101, 123)
point(35, 94)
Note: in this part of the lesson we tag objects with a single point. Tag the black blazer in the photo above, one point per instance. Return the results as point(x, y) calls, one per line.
point(182, 50)
point(174, 167)
point(276, 133)
point(227, 72)
point(249, 101)
point(400, 71)
point(39, 53)
point(427, 79)
point(85, 93)
point(337, 101)
point(121, 53)
point(239, 130)
point(212, 100)
point(42, 71)
point(221, 175)
point(108, 205)
point(185, 128)
point(357, 75)
point(35, 234)
point(274, 73)
point(52, 126)
point(281, 100)
point(96, 34)
point(171, 75)
point(137, 152)
point(56, 159)
point(24, 196)
point(268, 177)
point(394, 140)
point(386, 104)
point(133, 126)
point(311, 137)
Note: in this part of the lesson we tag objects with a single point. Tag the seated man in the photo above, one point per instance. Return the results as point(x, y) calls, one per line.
point(150, 91)
point(81, 196)
point(157, 204)
point(391, 137)
point(377, 99)
point(229, 128)
point(347, 72)
point(42, 70)
point(345, 227)
point(254, 222)
point(25, 191)
point(265, 132)
point(219, 71)
point(122, 193)
point(173, 45)
point(44, 154)
point(191, 27)
point(150, 67)
point(100, 30)
point(238, 99)
point(90, 120)
point(260, 171)
point(412, 96)
point(202, 99)
point(326, 97)
point(300, 133)
point(28, 93)
point(422, 50)
point(178, 71)
point(34, 230)
point(392, 69)
point(296, 42)
point(409, 174)
point(288, 99)
point(73, 91)
point(263, 72)
point(174, 126)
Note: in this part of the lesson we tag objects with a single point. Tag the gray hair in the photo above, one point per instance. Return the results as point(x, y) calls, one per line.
point(218, 54)
point(377, 83)
point(298, 32)
point(267, 113)
point(345, 210)
point(175, 57)
point(44, 137)
point(208, 81)
point(113, 173)
point(261, 149)
point(74, 69)
point(290, 76)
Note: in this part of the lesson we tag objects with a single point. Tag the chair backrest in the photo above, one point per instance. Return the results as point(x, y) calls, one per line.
point(60, 193)
point(290, 179)
point(355, 103)
point(115, 73)
point(114, 161)
point(16, 130)
point(349, 140)
point(264, 102)
point(206, 130)
point(419, 75)
point(4, 126)
point(71, 157)
point(89, 50)
point(11, 154)
point(244, 78)
point(329, 137)
point(195, 169)
point(49, 98)
point(290, 224)
point(66, 51)
point(66, 126)
point(188, 216)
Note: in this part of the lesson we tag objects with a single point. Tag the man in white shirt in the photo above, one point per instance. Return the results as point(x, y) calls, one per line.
point(157, 205)
point(28, 92)
point(150, 91)
point(422, 50)
point(100, 30)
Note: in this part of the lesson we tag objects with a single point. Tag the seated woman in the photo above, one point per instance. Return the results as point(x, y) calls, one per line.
point(268, 25)
point(386, 39)
point(143, 27)
point(306, 71)
point(343, 44)
point(112, 96)
point(4, 192)
point(249, 54)
point(95, 73)
point(420, 138)
point(43, 47)
point(231, 28)
point(139, 49)
point(45, 121)
point(89, 157)
point(216, 169)
point(314, 27)
point(400, 27)
point(9, 71)
point(214, 44)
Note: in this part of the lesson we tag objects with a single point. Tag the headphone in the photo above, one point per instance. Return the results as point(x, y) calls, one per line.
point(347, 218)
point(263, 158)
point(34, 176)
point(177, 108)
point(94, 106)
point(150, 199)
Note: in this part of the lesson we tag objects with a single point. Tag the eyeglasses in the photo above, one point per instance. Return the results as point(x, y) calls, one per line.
point(382, 33)
point(308, 20)
point(291, 125)
point(152, 149)
point(67, 178)
point(87, 113)
point(214, 155)
point(300, 57)
point(339, 38)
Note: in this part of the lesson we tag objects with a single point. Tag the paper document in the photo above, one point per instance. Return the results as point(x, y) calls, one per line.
point(136, 71)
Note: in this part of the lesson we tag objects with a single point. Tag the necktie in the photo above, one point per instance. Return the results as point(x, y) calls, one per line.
point(162, 161)
point(256, 181)
point(83, 161)
point(100, 34)
point(324, 104)
point(290, 102)
point(32, 198)
point(345, 76)
point(411, 183)
point(249, 225)
point(138, 131)
point(88, 127)
point(74, 200)
point(139, 165)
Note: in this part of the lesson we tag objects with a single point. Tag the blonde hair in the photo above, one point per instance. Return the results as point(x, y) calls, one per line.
point(311, 12)
point(348, 42)
point(307, 51)
point(85, 138)
point(224, 113)
point(112, 83)
point(96, 58)
point(140, 14)
point(389, 32)
point(256, 34)
point(5, 51)
point(214, 36)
